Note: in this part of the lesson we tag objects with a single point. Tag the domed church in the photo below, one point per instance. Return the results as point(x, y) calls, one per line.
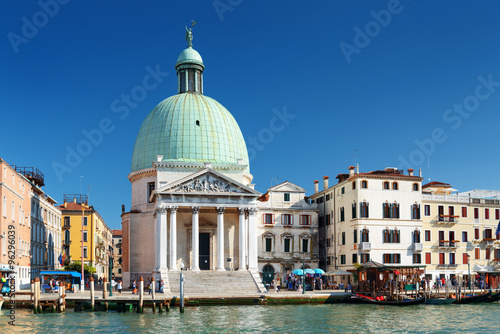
point(193, 204)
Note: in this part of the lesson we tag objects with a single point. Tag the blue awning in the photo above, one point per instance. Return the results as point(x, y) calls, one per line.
point(72, 273)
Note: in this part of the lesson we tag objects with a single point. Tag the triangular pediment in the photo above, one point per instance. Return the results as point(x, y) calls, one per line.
point(287, 187)
point(207, 182)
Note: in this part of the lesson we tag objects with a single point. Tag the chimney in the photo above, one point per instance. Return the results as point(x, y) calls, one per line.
point(123, 208)
point(351, 171)
point(410, 171)
point(325, 182)
point(316, 186)
point(420, 172)
point(357, 168)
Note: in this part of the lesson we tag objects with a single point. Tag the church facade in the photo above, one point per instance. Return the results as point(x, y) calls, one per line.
point(193, 203)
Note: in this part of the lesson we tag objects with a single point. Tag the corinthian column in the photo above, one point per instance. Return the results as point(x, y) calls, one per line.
point(220, 239)
point(195, 266)
point(161, 239)
point(173, 238)
point(242, 238)
point(252, 239)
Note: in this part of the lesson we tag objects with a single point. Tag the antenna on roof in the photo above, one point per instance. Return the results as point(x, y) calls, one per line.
point(355, 154)
point(429, 167)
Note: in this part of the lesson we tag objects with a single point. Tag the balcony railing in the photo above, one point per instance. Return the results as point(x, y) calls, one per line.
point(66, 226)
point(365, 246)
point(447, 219)
point(418, 247)
point(489, 241)
point(448, 244)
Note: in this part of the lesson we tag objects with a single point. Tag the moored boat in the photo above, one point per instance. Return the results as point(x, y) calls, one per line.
point(473, 299)
point(402, 302)
point(439, 301)
point(492, 298)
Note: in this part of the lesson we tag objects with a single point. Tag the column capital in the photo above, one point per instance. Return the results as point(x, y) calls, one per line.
point(241, 211)
point(220, 210)
point(173, 209)
point(195, 209)
point(252, 211)
point(160, 209)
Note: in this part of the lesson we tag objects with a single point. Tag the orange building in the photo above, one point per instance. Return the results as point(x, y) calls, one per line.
point(15, 223)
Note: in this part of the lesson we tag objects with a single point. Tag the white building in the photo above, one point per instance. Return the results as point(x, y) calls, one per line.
point(287, 231)
point(372, 216)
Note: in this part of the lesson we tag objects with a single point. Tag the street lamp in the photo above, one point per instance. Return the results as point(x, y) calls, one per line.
point(303, 272)
point(468, 264)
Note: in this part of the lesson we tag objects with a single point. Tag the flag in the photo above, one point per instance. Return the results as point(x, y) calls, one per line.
point(63, 259)
point(498, 231)
point(60, 258)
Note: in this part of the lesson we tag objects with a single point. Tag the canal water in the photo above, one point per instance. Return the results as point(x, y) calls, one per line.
point(336, 318)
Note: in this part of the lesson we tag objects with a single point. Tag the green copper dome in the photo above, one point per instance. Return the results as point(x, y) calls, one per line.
point(190, 56)
point(189, 127)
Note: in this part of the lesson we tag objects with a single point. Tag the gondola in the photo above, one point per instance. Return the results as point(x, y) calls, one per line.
point(492, 298)
point(404, 302)
point(439, 301)
point(474, 299)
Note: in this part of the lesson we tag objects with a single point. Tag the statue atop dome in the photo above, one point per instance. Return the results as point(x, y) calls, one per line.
point(189, 34)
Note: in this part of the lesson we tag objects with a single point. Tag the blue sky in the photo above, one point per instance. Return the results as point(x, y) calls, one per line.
point(379, 77)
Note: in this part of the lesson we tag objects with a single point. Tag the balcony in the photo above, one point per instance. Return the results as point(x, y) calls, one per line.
point(442, 265)
point(489, 241)
point(66, 226)
point(365, 246)
point(444, 244)
point(418, 247)
point(66, 243)
point(446, 219)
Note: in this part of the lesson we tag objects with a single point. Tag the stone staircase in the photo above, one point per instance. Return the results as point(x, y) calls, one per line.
point(215, 283)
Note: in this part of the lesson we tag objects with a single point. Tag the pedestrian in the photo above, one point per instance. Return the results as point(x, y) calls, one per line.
point(162, 286)
point(349, 287)
point(113, 284)
point(278, 284)
point(119, 287)
point(51, 285)
point(150, 286)
point(100, 280)
point(134, 287)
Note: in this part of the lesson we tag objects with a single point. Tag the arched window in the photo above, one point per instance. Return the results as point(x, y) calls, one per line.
point(416, 237)
point(365, 235)
point(364, 210)
point(415, 211)
point(67, 236)
point(353, 185)
point(395, 210)
point(415, 187)
point(394, 186)
point(13, 207)
point(386, 185)
point(364, 184)
point(20, 215)
point(354, 210)
point(4, 207)
point(386, 210)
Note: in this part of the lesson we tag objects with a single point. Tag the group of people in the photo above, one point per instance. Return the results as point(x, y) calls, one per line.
point(160, 289)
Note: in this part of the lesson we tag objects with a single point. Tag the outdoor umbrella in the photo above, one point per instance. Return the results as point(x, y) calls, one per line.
point(309, 271)
point(319, 271)
point(338, 273)
point(298, 272)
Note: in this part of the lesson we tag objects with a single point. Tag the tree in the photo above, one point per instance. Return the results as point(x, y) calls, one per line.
point(77, 266)
point(355, 275)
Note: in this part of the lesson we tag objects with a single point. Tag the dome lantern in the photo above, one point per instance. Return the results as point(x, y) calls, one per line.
point(189, 68)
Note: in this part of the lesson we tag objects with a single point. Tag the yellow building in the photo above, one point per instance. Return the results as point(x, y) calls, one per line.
point(459, 234)
point(96, 248)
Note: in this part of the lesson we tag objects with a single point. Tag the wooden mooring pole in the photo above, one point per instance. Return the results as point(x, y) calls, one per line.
point(92, 296)
point(141, 295)
point(35, 295)
point(153, 293)
point(104, 288)
point(62, 298)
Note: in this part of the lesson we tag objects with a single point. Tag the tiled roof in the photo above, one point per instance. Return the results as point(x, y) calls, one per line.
point(116, 232)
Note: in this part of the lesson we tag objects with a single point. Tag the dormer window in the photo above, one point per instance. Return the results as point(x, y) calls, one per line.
point(286, 197)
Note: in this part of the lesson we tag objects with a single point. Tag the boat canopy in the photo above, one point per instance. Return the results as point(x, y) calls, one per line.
point(72, 273)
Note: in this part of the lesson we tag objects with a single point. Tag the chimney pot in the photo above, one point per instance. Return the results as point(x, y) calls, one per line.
point(316, 186)
point(325, 182)
point(410, 171)
point(351, 170)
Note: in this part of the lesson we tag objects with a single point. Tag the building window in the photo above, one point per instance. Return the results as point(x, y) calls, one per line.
point(119, 251)
point(427, 235)
point(465, 258)
point(487, 233)
point(269, 242)
point(487, 254)
point(342, 259)
point(417, 258)
point(355, 236)
point(365, 235)
point(84, 221)
point(84, 252)
point(477, 254)
point(354, 258)
point(151, 188)
point(305, 220)
point(415, 211)
point(353, 185)
point(392, 258)
point(416, 237)
point(286, 219)
point(386, 185)
point(428, 258)
point(13, 213)
point(343, 190)
point(394, 186)
point(286, 197)
point(286, 245)
point(476, 233)
point(343, 238)
point(415, 188)
point(391, 236)
point(364, 210)
point(452, 258)
point(268, 218)
point(364, 184)
point(327, 197)
point(476, 213)
point(486, 213)
point(497, 214)
point(441, 258)
point(305, 245)
point(342, 217)
point(464, 211)
point(85, 236)
point(465, 237)
point(354, 211)
point(427, 210)
point(4, 207)
point(365, 258)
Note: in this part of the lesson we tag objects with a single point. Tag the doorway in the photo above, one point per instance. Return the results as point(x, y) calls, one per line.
point(204, 251)
point(268, 274)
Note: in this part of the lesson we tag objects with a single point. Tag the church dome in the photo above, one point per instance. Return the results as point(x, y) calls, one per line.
point(190, 127)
